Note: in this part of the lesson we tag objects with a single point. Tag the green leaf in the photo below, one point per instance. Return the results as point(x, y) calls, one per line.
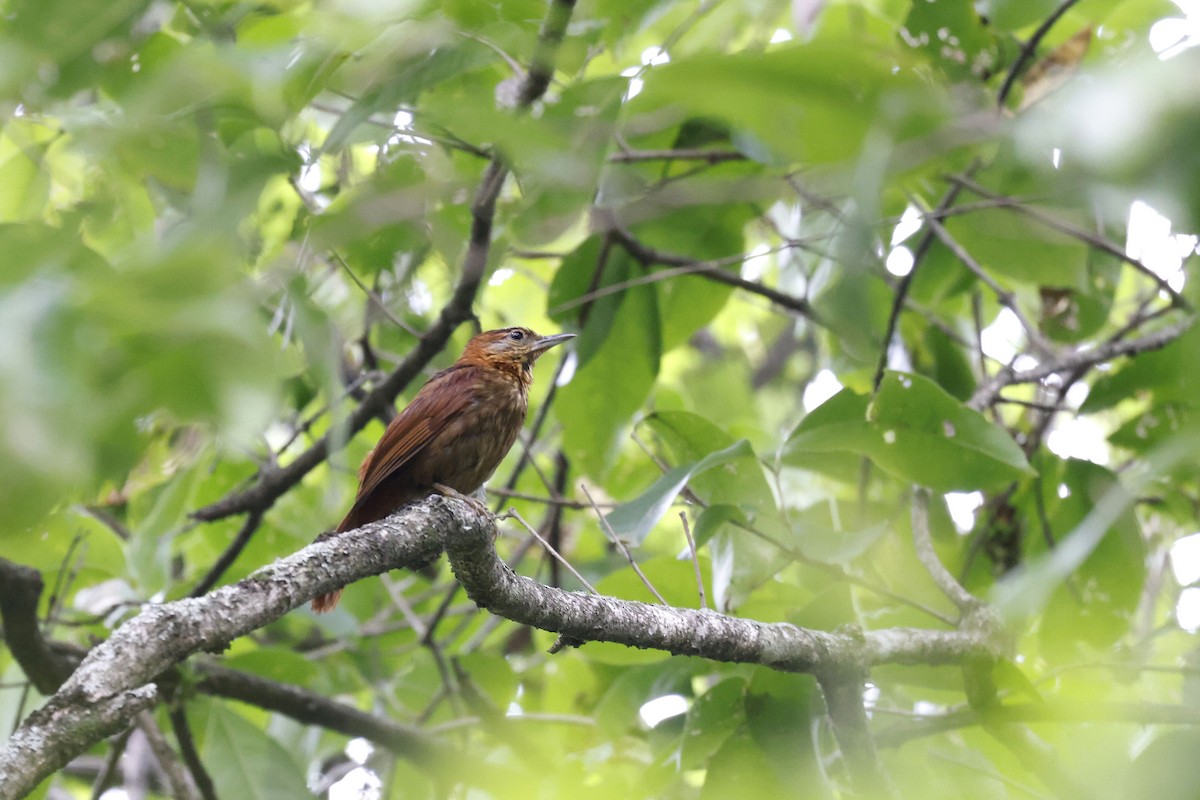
point(633, 520)
point(618, 352)
point(779, 95)
point(714, 717)
point(1026, 590)
point(1007, 244)
point(914, 430)
point(246, 762)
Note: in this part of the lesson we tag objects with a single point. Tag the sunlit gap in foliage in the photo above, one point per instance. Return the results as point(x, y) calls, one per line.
point(962, 507)
point(823, 386)
point(1149, 239)
point(360, 783)
point(1187, 610)
point(651, 56)
point(500, 276)
point(1185, 563)
point(1002, 339)
point(402, 122)
point(662, 708)
point(310, 173)
point(900, 259)
point(1170, 37)
point(756, 262)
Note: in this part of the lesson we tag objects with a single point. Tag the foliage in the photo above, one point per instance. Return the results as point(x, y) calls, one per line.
point(223, 222)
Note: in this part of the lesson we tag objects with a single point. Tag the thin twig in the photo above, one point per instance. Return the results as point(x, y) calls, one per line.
point(711, 270)
point(919, 253)
point(928, 557)
point(1028, 49)
point(177, 714)
point(687, 531)
point(225, 561)
point(1005, 297)
point(564, 502)
point(1075, 232)
point(512, 512)
point(1107, 351)
point(178, 778)
point(682, 154)
point(616, 540)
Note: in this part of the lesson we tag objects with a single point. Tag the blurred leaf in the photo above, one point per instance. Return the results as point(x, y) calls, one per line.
point(1026, 590)
point(915, 431)
point(633, 520)
point(243, 760)
point(778, 94)
point(618, 352)
point(713, 718)
point(1165, 768)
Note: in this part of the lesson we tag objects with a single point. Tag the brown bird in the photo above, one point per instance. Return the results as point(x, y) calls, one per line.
point(454, 433)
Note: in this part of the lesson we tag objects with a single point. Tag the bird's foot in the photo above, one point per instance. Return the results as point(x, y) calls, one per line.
point(474, 502)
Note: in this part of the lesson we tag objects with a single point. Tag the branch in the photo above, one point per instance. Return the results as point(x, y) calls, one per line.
point(928, 557)
point(682, 631)
point(682, 154)
point(711, 270)
point(110, 683)
point(844, 702)
point(986, 395)
point(61, 730)
point(1140, 714)
point(919, 253)
point(1074, 231)
point(314, 709)
point(20, 589)
point(1029, 49)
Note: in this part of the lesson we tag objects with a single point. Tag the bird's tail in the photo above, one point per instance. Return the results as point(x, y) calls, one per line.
point(326, 602)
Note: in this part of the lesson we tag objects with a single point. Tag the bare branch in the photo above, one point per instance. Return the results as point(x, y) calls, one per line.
point(687, 531)
point(928, 557)
point(1005, 297)
point(1076, 232)
point(1028, 49)
point(20, 590)
point(985, 395)
point(620, 545)
point(682, 154)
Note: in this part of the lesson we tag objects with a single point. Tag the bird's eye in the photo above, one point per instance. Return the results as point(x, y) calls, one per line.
point(516, 336)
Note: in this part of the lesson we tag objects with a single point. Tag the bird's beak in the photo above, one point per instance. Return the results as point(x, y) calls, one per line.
point(546, 342)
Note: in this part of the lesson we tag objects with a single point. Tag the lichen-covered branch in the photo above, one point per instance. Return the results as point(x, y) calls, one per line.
point(117, 678)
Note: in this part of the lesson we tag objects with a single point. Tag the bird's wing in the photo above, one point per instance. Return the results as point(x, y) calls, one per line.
point(444, 397)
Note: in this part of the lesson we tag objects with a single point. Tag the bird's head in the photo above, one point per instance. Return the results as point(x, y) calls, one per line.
point(511, 347)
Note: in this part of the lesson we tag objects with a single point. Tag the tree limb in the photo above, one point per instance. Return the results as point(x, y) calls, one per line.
point(113, 677)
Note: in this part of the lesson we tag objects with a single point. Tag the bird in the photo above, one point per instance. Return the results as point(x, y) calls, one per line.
point(453, 434)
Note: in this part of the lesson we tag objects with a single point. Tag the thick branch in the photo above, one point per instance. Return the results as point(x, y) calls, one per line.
point(20, 589)
point(163, 635)
point(61, 730)
point(109, 685)
point(683, 631)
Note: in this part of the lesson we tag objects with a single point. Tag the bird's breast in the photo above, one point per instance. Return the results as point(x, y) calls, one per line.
point(466, 452)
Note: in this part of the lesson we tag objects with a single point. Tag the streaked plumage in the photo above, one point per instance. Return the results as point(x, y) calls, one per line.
point(455, 432)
